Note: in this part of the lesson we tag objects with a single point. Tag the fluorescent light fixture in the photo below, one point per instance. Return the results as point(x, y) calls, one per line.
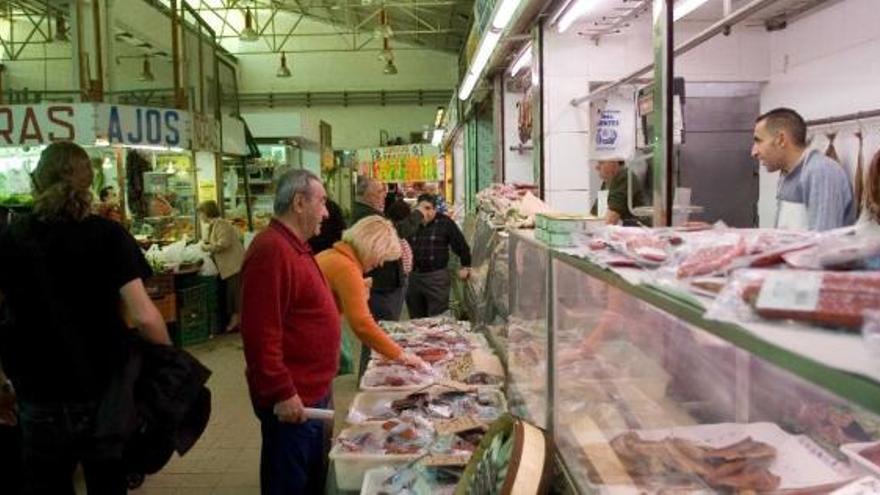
point(685, 7)
point(523, 60)
point(574, 12)
point(559, 11)
point(467, 86)
point(171, 149)
point(437, 138)
point(505, 13)
point(438, 117)
point(484, 51)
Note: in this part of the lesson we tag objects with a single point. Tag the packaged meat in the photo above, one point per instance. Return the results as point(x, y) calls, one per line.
point(740, 466)
point(435, 404)
point(713, 257)
point(824, 298)
point(846, 252)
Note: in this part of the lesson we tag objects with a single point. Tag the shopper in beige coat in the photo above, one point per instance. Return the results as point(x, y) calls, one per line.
point(224, 244)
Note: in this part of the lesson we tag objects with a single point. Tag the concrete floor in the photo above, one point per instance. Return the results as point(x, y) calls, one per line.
point(225, 461)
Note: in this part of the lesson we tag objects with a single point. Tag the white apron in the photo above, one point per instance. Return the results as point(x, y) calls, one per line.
point(791, 216)
point(602, 204)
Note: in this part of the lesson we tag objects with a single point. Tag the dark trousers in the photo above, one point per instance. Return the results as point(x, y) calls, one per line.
point(385, 304)
point(57, 437)
point(428, 293)
point(293, 459)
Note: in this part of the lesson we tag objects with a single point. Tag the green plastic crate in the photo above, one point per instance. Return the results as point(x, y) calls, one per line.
point(189, 334)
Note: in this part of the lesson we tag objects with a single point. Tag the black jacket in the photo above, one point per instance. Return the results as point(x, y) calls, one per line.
point(390, 275)
point(157, 406)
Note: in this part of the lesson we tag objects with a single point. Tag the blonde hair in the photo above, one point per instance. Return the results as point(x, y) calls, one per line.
point(374, 240)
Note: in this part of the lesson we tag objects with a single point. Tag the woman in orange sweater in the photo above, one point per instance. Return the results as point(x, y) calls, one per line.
point(366, 245)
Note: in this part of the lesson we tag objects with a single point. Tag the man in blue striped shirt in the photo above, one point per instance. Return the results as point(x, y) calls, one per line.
point(814, 192)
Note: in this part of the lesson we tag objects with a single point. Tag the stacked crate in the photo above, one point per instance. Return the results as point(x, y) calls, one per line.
point(562, 229)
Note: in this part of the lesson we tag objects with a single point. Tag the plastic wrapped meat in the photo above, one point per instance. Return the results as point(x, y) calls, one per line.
point(711, 258)
point(382, 374)
point(740, 466)
point(395, 436)
point(841, 301)
point(838, 253)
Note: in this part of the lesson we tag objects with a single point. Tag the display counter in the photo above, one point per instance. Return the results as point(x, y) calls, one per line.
point(620, 373)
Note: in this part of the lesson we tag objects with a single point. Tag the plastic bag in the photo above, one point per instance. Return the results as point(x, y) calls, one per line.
point(209, 268)
point(730, 306)
point(871, 330)
point(821, 298)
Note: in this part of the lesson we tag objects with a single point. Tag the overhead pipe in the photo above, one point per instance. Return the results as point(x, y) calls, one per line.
point(719, 27)
point(179, 101)
point(97, 84)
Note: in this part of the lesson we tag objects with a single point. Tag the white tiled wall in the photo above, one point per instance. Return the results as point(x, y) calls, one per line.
point(568, 164)
point(569, 201)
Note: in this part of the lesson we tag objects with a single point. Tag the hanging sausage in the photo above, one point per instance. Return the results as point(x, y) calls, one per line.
point(858, 179)
point(831, 152)
point(872, 189)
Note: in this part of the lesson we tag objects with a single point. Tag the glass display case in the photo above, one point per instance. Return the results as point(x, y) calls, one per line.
point(641, 395)
point(528, 351)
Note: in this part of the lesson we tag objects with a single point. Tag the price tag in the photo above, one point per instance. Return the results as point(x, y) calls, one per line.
point(798, 291)
point(459, 425)
point(460, 368)
point(446, 460)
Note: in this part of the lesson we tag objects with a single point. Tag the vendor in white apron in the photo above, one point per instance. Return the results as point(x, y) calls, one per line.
point(814, 191)
point(612, 203)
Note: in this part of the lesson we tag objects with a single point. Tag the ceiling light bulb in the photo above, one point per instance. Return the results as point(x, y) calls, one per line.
point(283, 70)
point(146, 72)
point(61, 31)
point(248, 33)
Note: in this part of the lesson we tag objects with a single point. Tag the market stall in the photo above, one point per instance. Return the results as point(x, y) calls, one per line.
point(413, 169)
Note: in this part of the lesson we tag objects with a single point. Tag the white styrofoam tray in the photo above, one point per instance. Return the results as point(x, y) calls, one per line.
point(350, 467)
point(374, 478)
point(369, 401)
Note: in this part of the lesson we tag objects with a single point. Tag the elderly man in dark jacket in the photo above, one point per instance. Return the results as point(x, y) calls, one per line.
point(389, 281)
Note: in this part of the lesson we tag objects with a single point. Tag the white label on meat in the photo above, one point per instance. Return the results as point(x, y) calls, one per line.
point(797, 291)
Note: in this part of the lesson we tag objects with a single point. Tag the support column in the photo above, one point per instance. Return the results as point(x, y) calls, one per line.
point(664, 164)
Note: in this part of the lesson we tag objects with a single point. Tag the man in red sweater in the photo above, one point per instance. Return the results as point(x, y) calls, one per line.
point(291, 332)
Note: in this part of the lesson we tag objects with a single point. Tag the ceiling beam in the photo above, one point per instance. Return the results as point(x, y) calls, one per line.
point(347, 33)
